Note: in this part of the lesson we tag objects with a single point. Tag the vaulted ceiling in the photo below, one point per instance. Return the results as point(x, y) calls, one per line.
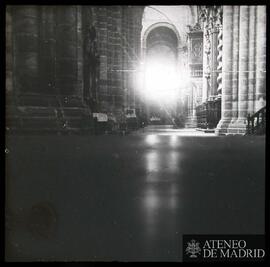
point(162, 37)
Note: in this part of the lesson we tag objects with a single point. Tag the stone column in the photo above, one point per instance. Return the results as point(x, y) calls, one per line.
point(47, 50)
point(243, 70)
point(66, 50)
point(206, 69)
point(144, 60)
point(235, 68)
point(195, 62)
point(226, 102)
point(137, 42)
point(9, 47)
point(26, 42)
point(252, 63)
point(110, 100)
point(214, 43)
point(79, 85)
point(125, 60)
point(219, 49)
point(102, 14)
point(260, 58)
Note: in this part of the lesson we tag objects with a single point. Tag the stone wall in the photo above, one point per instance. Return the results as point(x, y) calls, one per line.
point(244, 66)
point(65, 62)
point(118, 37)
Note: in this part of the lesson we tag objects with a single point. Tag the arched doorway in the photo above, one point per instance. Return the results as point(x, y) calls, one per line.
point(163, 63)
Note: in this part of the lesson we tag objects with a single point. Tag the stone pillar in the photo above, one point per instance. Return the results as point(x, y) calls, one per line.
point(120, 75)
point(226, 104)
point(219, 48)
point(26, 42)
point(206, 68)
point(214, 43)
point(79, 86)
point(252, 63)
point(130, 46)
point(235, 67)
point(47, 50)
point(9, 48)
point(139, 28)
point(102, 14)
point(195, 61)
point(110, 100)
point(243, 70)
point(66, 50)
point(260, 58)
point(144, 98)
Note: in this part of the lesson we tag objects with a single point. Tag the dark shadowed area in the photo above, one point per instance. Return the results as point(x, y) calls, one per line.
point(128, 198)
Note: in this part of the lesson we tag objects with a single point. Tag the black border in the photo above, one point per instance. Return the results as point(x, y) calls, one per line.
point(3, 5)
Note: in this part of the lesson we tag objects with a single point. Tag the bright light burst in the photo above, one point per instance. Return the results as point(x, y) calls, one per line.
point(161, 81)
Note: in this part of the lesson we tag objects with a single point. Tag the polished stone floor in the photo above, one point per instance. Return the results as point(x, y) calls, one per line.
point(131, 197)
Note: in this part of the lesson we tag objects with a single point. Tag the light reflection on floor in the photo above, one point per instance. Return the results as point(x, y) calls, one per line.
point(161, 195)
point(153, 161)
point(159, 210)
point(174, 140)
point(132, 197)
point(151, 139)
point(153, 131)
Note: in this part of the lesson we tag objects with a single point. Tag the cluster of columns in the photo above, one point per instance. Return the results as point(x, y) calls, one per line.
point(244, 66)
point(55, 50)
point(219, 50)
point(25, 27)
point(9, 52)
point(118, 31)
point(47, 50)
point(211, 17)
point(195, 58)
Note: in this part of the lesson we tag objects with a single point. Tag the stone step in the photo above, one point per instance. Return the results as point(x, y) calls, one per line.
point(49, 119)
